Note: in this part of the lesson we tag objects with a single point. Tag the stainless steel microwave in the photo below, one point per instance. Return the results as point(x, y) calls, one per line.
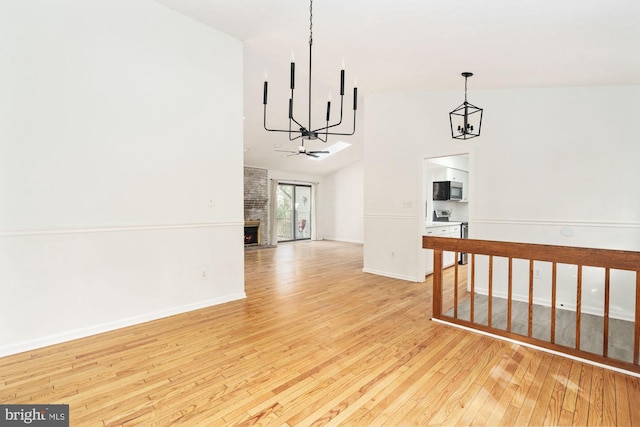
point(447, 190)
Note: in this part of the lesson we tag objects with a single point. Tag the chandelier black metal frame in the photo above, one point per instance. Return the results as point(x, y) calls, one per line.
point(309, 132)
point(465, 120)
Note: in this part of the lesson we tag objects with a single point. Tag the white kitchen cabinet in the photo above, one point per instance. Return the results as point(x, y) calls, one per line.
point(448, 174)
point(445, 230)
point(454, 231)
point(453, 175)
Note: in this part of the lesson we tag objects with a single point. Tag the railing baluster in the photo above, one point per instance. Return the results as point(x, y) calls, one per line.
point(578, 306)
point(510, 295)
point(437, 283)
point(489, 300)
point(455, 289)
point(530, 326)
point(473, 287)
point(607, 290)
point(636, 335)
point(554, 282)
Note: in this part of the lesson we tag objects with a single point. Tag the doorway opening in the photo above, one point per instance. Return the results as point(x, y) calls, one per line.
point(444, 212)
point(294, 212)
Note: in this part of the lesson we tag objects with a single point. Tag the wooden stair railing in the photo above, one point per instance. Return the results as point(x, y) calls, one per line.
point(580, 257)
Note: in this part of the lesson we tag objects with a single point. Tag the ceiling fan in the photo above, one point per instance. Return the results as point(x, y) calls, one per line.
point(303, 150)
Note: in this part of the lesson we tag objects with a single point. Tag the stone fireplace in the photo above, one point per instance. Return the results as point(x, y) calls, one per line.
point(256, 206)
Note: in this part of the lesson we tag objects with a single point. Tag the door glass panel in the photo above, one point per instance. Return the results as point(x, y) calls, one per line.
point(294, 212)
point(303, 212)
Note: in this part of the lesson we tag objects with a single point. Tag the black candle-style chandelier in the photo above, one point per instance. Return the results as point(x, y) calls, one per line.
point(309, 132)
point(465, 120)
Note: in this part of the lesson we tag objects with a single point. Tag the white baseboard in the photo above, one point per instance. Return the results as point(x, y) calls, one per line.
point(392, 275)
point(337, 239)
point(110, 326)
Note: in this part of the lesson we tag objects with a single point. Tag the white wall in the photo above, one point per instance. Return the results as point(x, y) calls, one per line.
point(341, 205)
point(548, 160)
point(120, 167)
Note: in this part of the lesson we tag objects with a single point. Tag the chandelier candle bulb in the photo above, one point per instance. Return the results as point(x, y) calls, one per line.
point(293, 74)
point(355, 98)
point(264, 96)
point(342, 81)
point(328, 108)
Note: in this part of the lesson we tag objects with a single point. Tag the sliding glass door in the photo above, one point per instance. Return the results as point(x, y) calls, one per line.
point(294, 212)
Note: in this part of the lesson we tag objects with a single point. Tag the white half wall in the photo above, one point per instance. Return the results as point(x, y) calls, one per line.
point(120, 168)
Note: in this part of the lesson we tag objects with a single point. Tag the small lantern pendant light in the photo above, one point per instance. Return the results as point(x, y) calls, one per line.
point(465, 120)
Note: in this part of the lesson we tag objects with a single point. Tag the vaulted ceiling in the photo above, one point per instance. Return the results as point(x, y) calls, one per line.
point(412, 45)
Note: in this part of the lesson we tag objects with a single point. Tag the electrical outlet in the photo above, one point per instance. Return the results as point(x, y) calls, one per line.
point(211, 202)
point(203, 274)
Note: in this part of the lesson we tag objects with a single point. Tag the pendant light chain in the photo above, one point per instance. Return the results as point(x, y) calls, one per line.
point(465, 89)
point(310, 57)
point(311, 22)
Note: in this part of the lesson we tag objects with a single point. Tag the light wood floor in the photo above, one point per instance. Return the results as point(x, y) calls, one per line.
point(316, 342)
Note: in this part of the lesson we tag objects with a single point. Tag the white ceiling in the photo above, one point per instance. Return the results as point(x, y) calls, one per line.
point(412, 45)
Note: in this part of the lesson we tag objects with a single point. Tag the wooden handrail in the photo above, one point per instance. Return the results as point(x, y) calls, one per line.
point(608, 259)
point(616, 259)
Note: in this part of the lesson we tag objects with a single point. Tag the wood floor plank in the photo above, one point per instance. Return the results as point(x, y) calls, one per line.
point(519, 396)
point(554, 409)
point(455, 405)
point(534, 393)
point(540, 403)
point(521, 358)
point(595, 405)
point(494, 386)
point(473, 399)
point(581, 413)
point(623, 412)
point(609, 412)
point(633, 397)
point(570, 395)
point(447, 378)
point(316, 342)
